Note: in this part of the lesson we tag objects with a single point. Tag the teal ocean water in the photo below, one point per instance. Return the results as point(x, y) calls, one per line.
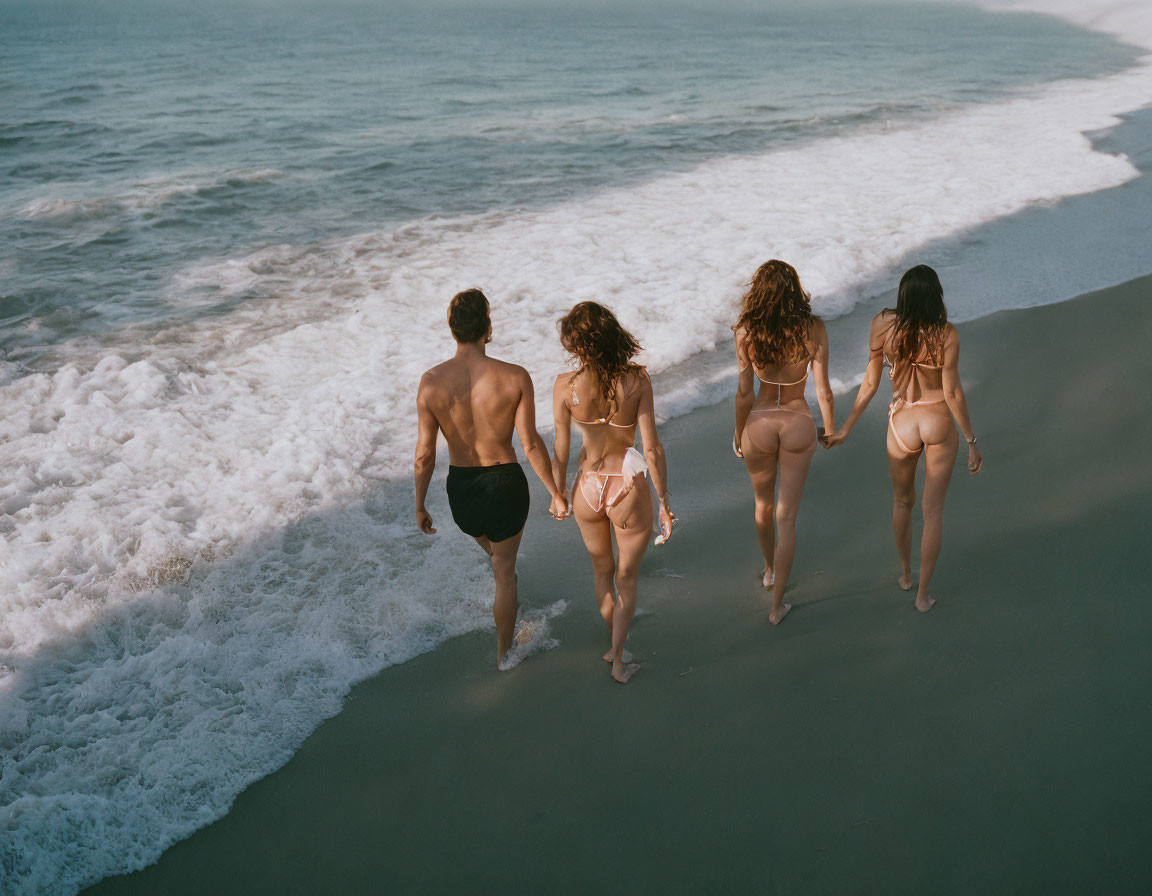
point(139, 140)
point(228, 235)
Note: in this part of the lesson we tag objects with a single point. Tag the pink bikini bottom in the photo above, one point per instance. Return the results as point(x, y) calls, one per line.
point(603, 490)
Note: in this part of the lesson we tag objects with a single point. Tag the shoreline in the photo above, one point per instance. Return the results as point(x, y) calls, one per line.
point(996, 742)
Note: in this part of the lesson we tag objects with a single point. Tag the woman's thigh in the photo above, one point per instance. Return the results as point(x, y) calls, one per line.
point(794, 466)
point(632, 522)
point(939, 462)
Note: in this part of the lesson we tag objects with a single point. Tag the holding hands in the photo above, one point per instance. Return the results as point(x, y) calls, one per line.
point(561, 507)
point(831, 441)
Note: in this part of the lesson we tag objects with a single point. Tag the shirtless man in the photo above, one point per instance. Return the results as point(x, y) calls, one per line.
point(476, 401)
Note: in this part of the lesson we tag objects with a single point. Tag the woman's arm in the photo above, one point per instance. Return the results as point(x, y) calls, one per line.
point(824, 396)
point(954, 398)
point(745, 393)
point(654, 454)
point(872, 374)
point(563, 442)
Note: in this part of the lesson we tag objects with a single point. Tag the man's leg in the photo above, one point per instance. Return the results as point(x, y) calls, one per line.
point(506, 604)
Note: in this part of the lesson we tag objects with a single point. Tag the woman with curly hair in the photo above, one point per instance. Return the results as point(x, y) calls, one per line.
point(609, 397)
point(777, 339)
point(923, 352)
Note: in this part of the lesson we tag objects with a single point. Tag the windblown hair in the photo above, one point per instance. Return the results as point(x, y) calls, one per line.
point(592, 334)
point(920, 316)
point(776, 316)
point(468, 316)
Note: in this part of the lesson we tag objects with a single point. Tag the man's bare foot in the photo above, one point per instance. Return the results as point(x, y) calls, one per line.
point(525, 632)
point(769, 579)
point(625, 656)
point(510, 660)
point(927, 605)
point(905, 582)
point(623, 672)
point(777, 616)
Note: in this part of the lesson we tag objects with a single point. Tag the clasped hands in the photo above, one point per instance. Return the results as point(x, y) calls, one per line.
point(833, 439)
point(561, 507)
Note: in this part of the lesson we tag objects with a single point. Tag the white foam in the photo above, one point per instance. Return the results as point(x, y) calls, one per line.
point(203, 545)
point(533, 634)
point(671, 255)
point(135, 197)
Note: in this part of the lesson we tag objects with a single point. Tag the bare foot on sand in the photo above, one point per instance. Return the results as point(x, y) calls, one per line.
point(928, 604)
point(769, 579)
point(905, 582)
point(625, 656)
point(623, 672)
point(777, 616)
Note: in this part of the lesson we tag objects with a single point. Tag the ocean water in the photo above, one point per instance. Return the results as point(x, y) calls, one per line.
point(227, 240)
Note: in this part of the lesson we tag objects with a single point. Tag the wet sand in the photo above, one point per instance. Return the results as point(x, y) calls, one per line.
point(998, 743)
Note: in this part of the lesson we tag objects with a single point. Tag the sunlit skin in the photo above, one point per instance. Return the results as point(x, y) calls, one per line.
point(477, 402)
point(777, 447)
point(630, 519)
point(926, 430)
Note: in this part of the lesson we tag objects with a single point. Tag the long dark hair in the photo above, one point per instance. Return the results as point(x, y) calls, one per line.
point(920, 316)
point(776, 316)
point(592, 334)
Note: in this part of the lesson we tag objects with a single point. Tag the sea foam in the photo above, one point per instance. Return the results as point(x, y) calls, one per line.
point(137, 197)
point(208, 540)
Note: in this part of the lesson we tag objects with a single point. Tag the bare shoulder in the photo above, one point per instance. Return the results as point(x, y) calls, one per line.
point(741, 337)
point(881, 327)
point(506, 370)
point(506, 367)
point(511, 376)
point(563, 382)
point(951, 338)
point(883, 320)
point(433, 376)
point(640, 381)
point(819, 331)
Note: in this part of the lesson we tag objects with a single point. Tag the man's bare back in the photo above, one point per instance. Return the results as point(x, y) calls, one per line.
point(474, 400)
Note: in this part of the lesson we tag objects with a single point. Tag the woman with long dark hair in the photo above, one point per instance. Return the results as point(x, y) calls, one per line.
point(777, 339)
point(609, 397)
point(923, 352)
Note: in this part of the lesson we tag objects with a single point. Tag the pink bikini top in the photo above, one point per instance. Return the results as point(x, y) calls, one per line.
point(575, 400)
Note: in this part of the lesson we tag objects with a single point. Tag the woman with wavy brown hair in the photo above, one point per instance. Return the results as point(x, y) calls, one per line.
point(923, 351)
point(777, 339)
point(609, 397)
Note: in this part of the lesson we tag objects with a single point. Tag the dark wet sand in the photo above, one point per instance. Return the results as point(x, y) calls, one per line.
point(1000, 743)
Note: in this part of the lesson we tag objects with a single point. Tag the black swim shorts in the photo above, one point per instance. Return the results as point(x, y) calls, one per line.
point(488, 501)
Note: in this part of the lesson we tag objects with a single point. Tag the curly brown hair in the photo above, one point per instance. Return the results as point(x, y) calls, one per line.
point(776, 316)
point(591, 333)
